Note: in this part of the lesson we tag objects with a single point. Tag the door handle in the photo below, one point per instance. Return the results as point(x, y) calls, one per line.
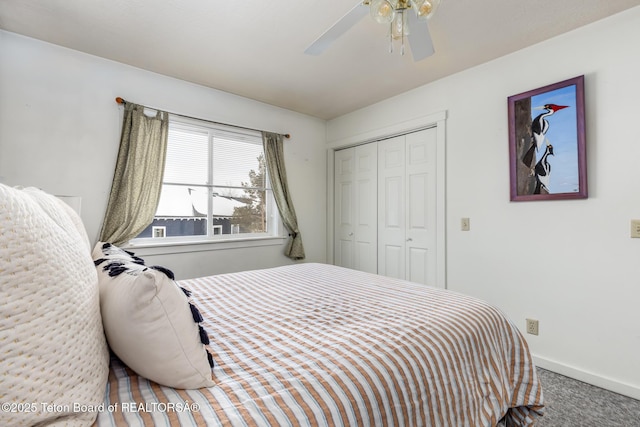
point(409, 239)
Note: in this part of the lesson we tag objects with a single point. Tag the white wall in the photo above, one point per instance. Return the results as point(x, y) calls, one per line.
point(60, 130)
point(570, 264)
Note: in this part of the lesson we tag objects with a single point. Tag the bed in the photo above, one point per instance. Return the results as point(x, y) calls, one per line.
point(300, 345)
point(316, 345)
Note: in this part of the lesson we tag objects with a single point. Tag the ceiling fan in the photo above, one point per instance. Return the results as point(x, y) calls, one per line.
point(397, 14)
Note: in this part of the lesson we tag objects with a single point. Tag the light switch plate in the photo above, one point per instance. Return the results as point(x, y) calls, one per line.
point(635, 228)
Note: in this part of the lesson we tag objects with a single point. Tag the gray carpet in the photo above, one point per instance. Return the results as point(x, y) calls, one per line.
point(572, 403)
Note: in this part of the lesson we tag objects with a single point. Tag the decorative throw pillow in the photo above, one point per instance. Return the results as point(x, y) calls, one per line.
point(149, 321)
point(54, 362)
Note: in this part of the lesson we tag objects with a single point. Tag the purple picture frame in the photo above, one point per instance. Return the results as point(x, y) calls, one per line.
point(547, 151)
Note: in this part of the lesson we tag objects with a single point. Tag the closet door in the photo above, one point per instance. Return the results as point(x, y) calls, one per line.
point(420, 172)
point(407, 207)
point(355, 201)
point(344, 217)
point(391, 210)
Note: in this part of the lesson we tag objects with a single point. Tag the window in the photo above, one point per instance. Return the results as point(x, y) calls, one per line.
point(215, 187)
point(158, 231)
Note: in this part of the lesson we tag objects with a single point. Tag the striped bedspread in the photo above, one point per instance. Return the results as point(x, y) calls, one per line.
point(319, 345)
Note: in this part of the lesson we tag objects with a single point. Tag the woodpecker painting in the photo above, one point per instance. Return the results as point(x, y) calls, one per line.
point(539, 128)
point(543, 170)
point(538, 118)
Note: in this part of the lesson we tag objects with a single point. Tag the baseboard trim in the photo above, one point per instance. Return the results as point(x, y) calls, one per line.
point(588, 377)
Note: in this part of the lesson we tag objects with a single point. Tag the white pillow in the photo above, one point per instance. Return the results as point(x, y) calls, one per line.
point(149, 322)
point(54, 362)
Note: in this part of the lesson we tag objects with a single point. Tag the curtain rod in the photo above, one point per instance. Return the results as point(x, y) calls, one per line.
point(122, 101)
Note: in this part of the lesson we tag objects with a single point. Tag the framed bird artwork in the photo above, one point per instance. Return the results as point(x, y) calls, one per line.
point(547, 150)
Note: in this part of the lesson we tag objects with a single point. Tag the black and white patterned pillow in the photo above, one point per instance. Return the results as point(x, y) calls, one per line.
point(150, 321)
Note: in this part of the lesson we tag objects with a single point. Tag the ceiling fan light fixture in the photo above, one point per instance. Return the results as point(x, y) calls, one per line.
point(382, 11)
point(394, 13)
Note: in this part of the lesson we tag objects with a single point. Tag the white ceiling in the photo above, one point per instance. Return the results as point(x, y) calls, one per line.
point(255, 48)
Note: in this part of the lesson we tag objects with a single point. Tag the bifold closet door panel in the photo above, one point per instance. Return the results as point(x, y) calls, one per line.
point(407, 206)
point(355, 200)
point(391, 207)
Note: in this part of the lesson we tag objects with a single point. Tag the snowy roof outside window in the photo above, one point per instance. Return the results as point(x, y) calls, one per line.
point(186, 202)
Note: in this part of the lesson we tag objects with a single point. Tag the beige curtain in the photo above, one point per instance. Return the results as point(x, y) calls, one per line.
point(137, 180)
point(274, 156)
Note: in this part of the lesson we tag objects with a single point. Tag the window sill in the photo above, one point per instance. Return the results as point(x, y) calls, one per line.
point(166, 248)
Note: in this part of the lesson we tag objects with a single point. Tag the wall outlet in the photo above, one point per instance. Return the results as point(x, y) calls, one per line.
point(532, 326)
point(635, 228)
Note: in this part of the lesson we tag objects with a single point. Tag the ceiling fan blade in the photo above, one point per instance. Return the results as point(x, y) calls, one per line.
point(338, 29)
point(419, 38)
